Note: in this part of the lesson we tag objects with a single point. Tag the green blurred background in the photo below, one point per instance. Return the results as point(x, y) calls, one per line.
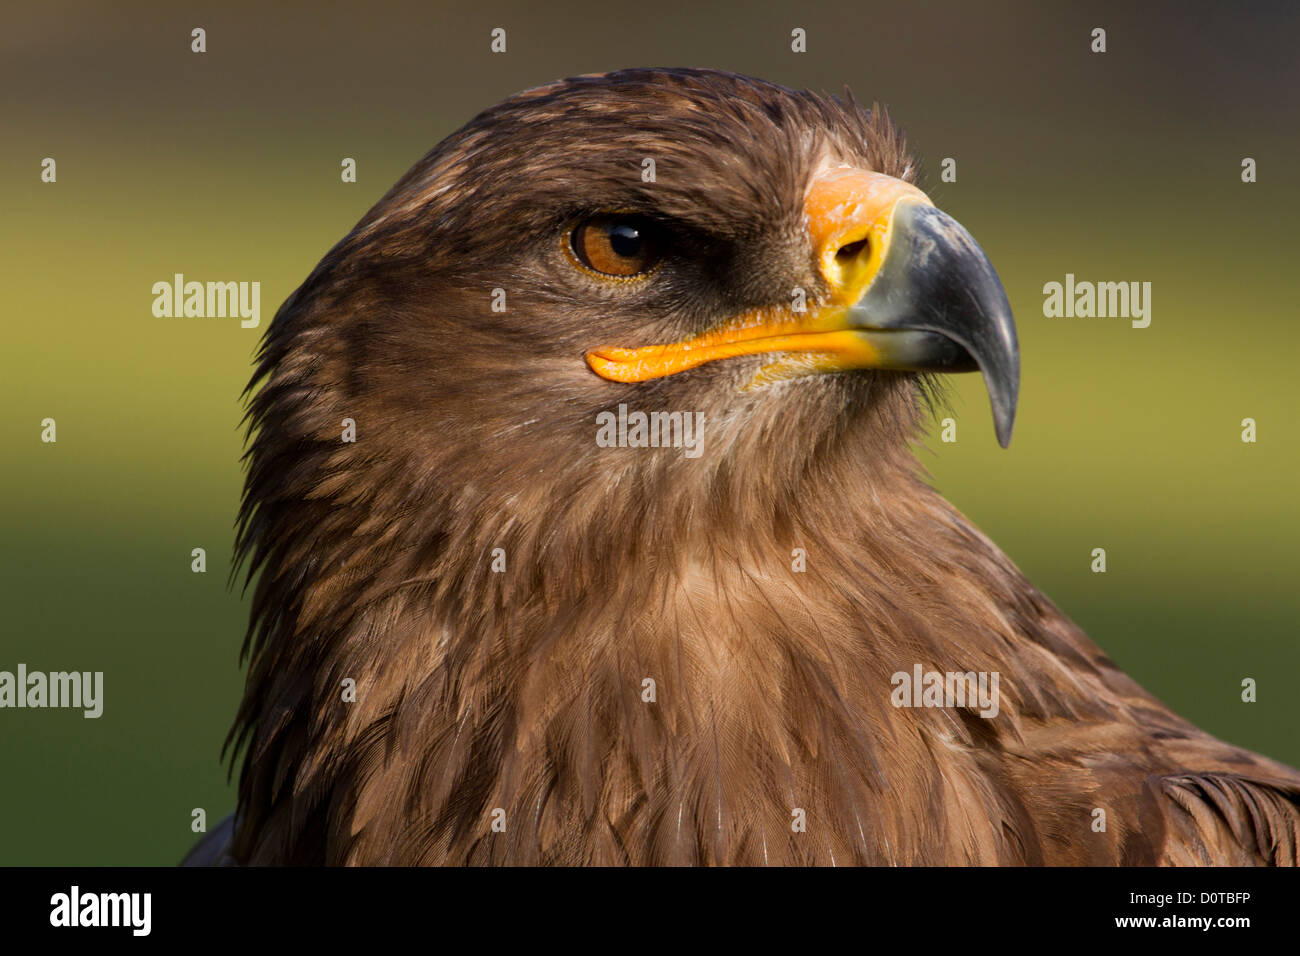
point(225, 165)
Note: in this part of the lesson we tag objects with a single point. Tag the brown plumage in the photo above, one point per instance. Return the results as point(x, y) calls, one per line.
point(522, 690)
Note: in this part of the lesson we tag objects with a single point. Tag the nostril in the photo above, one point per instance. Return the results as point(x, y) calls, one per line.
point(852, 250)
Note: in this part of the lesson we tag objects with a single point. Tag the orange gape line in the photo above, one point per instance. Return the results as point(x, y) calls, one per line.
point(744, 335)
point(657, 361)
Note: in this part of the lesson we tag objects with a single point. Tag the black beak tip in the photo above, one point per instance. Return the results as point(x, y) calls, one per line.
point(1003, 423)
point(1003, 384)
point(1002, 380)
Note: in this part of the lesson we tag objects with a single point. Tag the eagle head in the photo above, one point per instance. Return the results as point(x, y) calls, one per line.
point(609, 336)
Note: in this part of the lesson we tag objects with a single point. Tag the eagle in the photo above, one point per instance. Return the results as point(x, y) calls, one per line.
point(490, 626)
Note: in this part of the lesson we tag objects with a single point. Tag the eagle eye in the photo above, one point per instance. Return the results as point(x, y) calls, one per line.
point(622, 246)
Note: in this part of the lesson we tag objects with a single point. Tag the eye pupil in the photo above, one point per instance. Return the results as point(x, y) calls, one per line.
point(622, 246)
point(625, 240)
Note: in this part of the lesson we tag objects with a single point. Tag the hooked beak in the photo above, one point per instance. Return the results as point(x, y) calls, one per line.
point(909, 289)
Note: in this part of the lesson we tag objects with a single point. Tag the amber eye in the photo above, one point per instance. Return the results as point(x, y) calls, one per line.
point(621, 246)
